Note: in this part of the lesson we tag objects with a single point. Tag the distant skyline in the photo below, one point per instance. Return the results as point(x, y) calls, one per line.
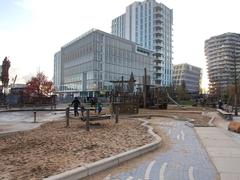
point(31, 31)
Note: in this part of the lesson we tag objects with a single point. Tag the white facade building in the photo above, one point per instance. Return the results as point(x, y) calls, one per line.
point(223, 56)
point(149, 24)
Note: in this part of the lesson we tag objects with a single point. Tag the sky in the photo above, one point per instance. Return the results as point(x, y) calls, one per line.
point(31, 31)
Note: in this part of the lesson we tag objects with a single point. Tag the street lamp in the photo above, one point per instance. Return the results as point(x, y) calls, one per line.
point(235, 84)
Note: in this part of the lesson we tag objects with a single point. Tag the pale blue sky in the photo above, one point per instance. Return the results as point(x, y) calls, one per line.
point(12, 16)
point(31, 31)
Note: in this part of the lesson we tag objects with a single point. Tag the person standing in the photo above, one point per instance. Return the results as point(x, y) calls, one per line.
point(220, 104)
point(99, 107)
point(76, 103)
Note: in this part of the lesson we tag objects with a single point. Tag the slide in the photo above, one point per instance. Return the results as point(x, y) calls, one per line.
point(171, 99)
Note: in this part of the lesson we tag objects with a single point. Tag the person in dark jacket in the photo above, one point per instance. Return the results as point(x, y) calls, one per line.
point(76, 103)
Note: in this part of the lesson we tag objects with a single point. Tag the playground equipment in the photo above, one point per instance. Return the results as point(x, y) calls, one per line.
point(123, 97)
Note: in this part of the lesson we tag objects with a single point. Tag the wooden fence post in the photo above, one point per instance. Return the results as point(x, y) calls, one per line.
point(87, 121)
point(35, 116)
point(67, 117)
point(117, 113)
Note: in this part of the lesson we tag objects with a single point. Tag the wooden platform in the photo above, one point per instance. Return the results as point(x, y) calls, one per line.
point(96, 117)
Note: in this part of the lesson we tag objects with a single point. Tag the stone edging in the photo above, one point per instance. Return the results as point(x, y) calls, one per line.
point(210, 122)
point(89, 169)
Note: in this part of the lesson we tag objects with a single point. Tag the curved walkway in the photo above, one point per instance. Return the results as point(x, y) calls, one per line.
point(186, 158)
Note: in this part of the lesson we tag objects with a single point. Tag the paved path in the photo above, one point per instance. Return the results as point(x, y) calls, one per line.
point(19, 121)
point(186, 158)
point(223, 150)
point(223, 147)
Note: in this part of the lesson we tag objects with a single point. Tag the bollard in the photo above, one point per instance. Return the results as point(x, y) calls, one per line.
point(35, 116)
point(67, 117)
point(87, 121)
point(117, 113)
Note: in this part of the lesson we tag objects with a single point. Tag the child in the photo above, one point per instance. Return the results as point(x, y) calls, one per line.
point(99, 107)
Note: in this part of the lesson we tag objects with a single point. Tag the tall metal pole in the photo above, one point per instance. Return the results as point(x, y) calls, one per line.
point(235, 83)
point(145, 88)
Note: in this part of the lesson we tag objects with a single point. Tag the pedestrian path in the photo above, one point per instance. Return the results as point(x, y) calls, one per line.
point(187, 159)
point(21, 121)
point(223, 150)
point(223, 147)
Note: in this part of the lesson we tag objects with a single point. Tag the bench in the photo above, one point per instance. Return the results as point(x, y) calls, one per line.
point(224, 114)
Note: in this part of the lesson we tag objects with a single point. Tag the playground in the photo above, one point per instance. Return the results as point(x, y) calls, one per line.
point(52, 148)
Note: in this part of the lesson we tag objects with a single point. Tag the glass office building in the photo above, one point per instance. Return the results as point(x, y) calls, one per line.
point(91, 61)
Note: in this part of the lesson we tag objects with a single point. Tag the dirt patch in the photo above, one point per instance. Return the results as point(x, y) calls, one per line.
point(184, 115)
point(5, 127)
point(52, 148)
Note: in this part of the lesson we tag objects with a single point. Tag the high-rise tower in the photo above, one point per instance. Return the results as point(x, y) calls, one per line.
point(149, 24)
point(223, 56)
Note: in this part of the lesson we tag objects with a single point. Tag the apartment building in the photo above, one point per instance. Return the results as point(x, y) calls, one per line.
point(91, 61)
point(149, 24)
point(190, 74)
point(223, 56)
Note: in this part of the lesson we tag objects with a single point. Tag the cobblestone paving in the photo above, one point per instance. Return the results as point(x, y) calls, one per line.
point(186, 159)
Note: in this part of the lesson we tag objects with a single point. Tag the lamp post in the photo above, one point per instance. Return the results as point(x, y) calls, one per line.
point(235, 84)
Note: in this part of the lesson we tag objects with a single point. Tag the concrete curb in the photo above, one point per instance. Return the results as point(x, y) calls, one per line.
point(210, 122)
point(106, 163)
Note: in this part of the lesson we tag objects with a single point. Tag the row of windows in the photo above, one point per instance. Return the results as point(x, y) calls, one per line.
point(126, 58)
point(134, 63)
point(78, 69)
point(93, 75)
point(81, 60)
point(89, 85)
point(110, 42)
point(76, 53)
point(126, 70)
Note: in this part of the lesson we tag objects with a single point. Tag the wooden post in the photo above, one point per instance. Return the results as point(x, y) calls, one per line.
point(35, 116)
point(87, 121)
point(67, 117)
point(117, 112)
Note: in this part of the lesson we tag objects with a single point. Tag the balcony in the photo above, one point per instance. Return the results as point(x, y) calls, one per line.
point(157, 60)
point(157, 67)
point(158, 44)
point(158, 52)
point(157, 73)
point(158, 38)
point(158, 55)
point(158, 9)
point(158, 21)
